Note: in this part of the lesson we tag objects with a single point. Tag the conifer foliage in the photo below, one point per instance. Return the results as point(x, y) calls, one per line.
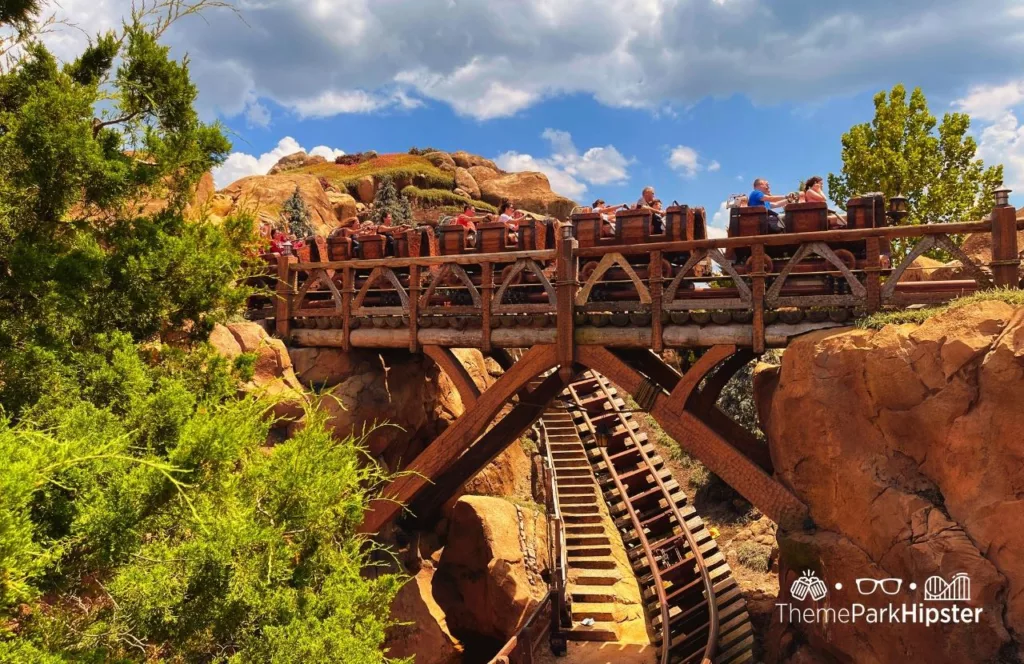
point(296, 216)
point(389, 199)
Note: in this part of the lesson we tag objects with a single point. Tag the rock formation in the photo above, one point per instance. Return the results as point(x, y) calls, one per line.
point(263, 196)
point(273, 374)
point(294, 161)
point(464, 181)
point(529, 191)
point(425, 632)
point(489, 577)
point(907, 445)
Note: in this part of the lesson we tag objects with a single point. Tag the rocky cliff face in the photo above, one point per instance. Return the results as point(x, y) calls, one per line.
point(907, 445)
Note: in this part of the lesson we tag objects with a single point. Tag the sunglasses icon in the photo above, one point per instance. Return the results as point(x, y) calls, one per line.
point(887, 586)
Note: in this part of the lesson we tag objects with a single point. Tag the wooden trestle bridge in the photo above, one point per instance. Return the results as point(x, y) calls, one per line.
point(550, 303)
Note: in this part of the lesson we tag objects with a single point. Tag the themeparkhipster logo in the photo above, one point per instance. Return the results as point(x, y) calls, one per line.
point(942, 603)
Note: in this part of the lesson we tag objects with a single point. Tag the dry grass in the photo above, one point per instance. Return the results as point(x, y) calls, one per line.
point(397, 166)
point(879, 320)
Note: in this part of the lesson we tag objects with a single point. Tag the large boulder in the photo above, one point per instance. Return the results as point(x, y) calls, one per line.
point(483, 173)
point(273, 375)
point(345, 207)
point(464, 181)
point(442, 160)
point(978, 247)
point(264, 195)
point(466, 160)
point(907, 445)
point(529, 191)
point(422, 631)
point(366, 189)
point(489, 578)
point(294, 161)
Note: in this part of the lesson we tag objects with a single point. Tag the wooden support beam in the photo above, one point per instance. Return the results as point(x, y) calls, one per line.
point(711, 358)
point(348, 290)
point(656, 285)
point(486, 300)
point(446, 360)
point(873, 269)
point(529, 409)
point(1005, 259)
point(449, 446)
point(649, 364)
point(414, 307)
point(698, 439)
point(757, 297)
point(565, 287)
point(284, 290)
point(717, 381)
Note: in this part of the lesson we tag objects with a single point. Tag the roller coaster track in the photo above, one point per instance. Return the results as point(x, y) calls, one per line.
point(674, 557)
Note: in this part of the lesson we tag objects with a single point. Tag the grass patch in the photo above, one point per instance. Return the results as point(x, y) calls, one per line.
point(444, 198)
point(879, 320)
point(754, 556)
point(700, 477)
point(528, 445)
point(396, 166)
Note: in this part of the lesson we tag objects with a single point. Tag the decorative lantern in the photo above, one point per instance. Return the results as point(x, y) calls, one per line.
point(1002, 195)
point(898, 208)
point(567, 231)
point(602, 436)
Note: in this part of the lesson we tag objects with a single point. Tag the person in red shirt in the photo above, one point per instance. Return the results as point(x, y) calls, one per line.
point(466, 218)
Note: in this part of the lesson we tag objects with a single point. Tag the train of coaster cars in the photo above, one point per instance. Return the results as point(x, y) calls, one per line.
point(812, 276)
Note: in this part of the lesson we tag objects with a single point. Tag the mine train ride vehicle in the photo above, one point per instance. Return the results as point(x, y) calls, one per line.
point(631, 227)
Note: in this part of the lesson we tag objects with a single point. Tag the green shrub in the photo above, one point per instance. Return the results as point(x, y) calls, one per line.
point(445, 198)
point(398, 167)
point(754, 556)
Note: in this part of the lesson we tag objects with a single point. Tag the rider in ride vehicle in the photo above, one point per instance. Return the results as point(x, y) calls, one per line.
point(762, 195)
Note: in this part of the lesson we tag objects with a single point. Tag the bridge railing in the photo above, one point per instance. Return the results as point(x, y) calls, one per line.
point(663, 292)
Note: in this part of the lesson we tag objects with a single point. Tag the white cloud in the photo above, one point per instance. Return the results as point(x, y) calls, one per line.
point(719, 222)
point(347, 56)
point(239, 164)
point(330, 154)
point(257, 115)
point(1001, 140)
point(990, 102)
point(687, 162)
point(569, 171)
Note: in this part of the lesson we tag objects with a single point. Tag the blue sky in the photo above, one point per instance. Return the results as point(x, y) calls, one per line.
point(694, 97)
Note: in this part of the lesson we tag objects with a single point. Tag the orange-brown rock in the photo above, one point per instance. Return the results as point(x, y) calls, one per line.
point(483, 174)
point(442, 160)
point(365, 189)
point(273, 375)
point(467, 160)
point(489, 578)
point(529, 191)
point(907, 446)
point(294, 161)
point(464, 181)
point(423, 632)
point(921, 269)
point(978, 247)
point(345, 207)
point(263, 196)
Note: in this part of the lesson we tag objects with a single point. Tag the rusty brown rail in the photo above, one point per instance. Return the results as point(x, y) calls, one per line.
point(595, 401)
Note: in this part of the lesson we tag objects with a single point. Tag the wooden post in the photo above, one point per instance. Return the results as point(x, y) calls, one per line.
point(873, 269)
point(347, 291)
point(757, 297)
point(284, 293)
point(414, 307)
point(655, 284)
point(1005, 260)
point(486, 295)
point(566, 291)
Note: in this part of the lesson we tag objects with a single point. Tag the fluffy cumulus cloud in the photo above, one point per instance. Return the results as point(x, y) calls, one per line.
point(239, 164)
point(719, 225)
point(997, 110)
point(494, 58)
point(686, 161)
point(568, 170)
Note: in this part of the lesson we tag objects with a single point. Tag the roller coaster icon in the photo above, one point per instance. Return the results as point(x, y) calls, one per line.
point(957, 589)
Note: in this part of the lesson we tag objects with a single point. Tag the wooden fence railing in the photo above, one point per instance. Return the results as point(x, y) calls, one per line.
point(641, 295)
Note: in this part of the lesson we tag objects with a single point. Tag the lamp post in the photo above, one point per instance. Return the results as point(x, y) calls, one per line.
point(1002, 195)
point(1005, 258)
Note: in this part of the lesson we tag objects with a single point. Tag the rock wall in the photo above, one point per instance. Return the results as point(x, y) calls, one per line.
point(907, 445)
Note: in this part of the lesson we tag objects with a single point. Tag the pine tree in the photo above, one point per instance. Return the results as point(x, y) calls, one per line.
point(296, 216)
point(388, 199)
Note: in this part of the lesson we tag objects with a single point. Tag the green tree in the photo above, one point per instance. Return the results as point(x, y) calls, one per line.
point(903, 150)
point(296, 216)
point(389, 199)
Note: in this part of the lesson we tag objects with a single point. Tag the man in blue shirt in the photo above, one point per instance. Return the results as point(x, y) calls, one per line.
point(762, 195)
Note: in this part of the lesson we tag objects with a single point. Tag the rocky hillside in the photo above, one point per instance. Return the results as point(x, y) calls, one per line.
point(437, 183)
point(907, 444)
